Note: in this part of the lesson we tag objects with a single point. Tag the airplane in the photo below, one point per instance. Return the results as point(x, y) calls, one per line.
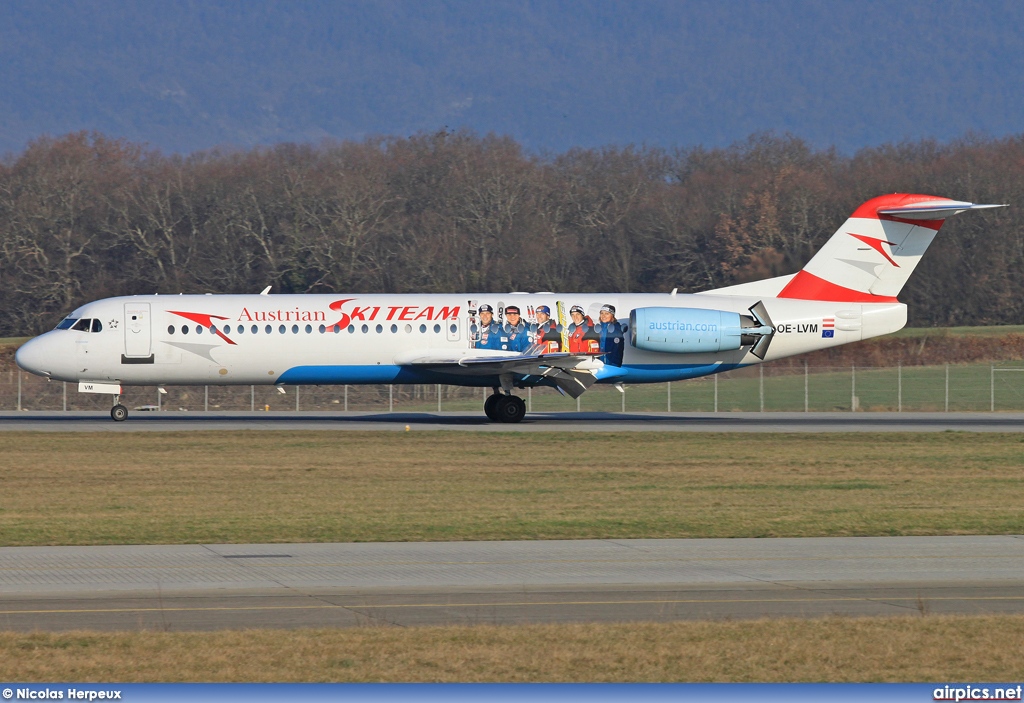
point(845, 293)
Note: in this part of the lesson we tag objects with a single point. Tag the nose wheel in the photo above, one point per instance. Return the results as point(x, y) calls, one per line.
point(118, 413)
point(504, 408)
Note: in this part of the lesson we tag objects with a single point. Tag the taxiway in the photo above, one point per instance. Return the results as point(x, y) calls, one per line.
point(201, 587)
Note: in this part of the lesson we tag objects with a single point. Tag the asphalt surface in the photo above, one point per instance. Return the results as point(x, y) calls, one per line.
point(534, 422)
point(204, 587)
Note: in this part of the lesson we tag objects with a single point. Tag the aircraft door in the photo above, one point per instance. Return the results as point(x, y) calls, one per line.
point(138, 335)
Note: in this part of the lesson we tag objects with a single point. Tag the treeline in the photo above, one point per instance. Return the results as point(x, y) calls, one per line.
point(84, 217)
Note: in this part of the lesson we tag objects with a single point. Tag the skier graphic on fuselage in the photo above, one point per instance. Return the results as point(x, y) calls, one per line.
point(549, 332)
point(490, 331)
point(583, 339)
point(611, 336)
point(516, 332)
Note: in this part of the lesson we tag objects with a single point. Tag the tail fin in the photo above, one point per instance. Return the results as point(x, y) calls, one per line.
point(870, 258)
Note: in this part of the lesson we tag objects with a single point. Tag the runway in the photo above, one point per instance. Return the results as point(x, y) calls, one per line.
point(204, 587)
point(38, 421)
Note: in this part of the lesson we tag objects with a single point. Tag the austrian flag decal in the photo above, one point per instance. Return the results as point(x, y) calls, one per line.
point(828, 327)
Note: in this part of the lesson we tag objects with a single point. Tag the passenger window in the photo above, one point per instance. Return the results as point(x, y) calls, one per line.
point(337, 329)
point(365, 329)
point(423, 329)
point(268, 329)
point(295, 329)
point(351, 329)
point(82, 325)
point(309, 329)
point(199, 329)
point(380, 329)
point(240, 330)
point(97, 326)
point(437, 328)
point(322, 329)
point(394, 329)
point(170, 329)
point(454, 329)
point(281, 329)
point(184, 329)
point(254, 329)
point(227, 329)
point(408, 329)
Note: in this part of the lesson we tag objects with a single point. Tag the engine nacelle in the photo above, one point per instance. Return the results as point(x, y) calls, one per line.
point(692, 330)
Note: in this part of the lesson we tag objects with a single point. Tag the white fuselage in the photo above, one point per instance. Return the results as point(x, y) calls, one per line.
point(353, 339)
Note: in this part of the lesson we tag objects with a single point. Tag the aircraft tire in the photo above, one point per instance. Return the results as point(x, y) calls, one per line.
point(511, 409)
point(491, 408)
point(119, 413)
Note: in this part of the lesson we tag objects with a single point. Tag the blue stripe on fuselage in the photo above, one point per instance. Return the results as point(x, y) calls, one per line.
point(389, 373)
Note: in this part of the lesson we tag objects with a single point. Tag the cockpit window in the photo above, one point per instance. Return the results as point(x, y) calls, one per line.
point(66, 323)
point(82, 325)
point(97, 326)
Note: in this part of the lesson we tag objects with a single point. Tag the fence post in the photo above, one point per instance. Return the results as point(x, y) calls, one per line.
point(992, 387)
point(669, 384)
point(947, 389)
point(899, 386)
point(438, 397)
point(529, 399)
point(346, 398)
point(391, 398)
point(64, 392)
point(716, 392)
point(578, 403)
point(206, 399)
point(252, 398)
point(159, 400)
point(853, 388)
point(806, 396)
point(296, 399)
point(624, 398)
point(19, 390)
point(760, 385)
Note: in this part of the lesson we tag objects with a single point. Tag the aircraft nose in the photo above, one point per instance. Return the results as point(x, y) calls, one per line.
point(31, 356)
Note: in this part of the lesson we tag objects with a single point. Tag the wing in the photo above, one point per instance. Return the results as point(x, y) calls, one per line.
point(573, 374)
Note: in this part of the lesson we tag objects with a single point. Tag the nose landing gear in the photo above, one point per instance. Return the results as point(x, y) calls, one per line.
point(118, 413)
point(504, 408)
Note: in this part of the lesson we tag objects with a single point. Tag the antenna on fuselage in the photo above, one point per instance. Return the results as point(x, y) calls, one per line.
point(266, 291)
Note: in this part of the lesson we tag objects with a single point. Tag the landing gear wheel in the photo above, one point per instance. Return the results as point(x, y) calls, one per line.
point(511, 408)
point(491, 408)
point(119, 413)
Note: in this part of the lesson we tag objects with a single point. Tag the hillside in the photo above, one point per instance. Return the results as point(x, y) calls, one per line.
point(553, 74)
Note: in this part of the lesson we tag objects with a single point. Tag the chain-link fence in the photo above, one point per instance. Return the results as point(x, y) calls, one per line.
point(766, 388)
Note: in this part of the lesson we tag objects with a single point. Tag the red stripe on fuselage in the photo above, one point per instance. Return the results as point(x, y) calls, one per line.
point(807, 286)
point(204, 320)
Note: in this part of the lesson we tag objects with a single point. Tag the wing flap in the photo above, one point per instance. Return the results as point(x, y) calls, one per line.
point(561, 368)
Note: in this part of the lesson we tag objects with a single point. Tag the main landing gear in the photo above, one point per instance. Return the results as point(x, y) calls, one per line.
point(118, 413)
point(504, 408)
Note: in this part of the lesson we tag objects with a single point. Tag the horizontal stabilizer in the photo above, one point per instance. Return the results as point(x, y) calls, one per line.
point(935, 210)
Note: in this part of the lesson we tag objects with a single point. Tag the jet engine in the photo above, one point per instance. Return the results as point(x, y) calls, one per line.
point(695, 330)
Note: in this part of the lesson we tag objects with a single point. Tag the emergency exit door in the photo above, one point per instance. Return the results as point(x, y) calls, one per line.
point(138, 335)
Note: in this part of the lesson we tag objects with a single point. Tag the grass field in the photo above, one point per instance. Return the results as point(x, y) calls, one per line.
point(324, 487)
point(929, 648)
point(912, 388)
